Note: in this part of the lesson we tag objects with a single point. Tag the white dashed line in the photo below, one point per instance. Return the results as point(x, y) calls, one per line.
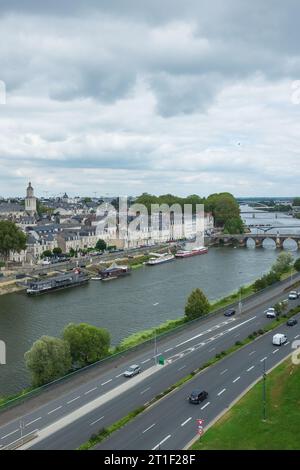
point(264, 359)
point(146, 390)
point(97, 420)
point(90, 391)
point(148, 429)
point(161, 442)
point(221, 392)
point(250, 368)
point(104, 383)
point(288, 342)
point(10, 434)
point(235, 380)
point(34, 421)
point(205, 405)
point(55, 409)
point(185, 422)
point(224, 371)
point(252, 352)
point(170, 349)
point(183, 367)
point(275, 351)
point(119, 375)
point(147, 360)
point(212, 349)
point(297, 336)
point(73, 399)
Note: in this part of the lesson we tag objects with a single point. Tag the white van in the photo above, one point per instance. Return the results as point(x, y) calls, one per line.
point(279, 339)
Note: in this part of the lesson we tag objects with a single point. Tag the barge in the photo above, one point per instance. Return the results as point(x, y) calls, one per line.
point(62, 281)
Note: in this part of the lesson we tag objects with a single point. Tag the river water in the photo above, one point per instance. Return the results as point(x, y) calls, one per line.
point(150, 296)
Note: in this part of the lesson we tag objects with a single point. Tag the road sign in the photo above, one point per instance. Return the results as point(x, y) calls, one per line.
point(200, 423)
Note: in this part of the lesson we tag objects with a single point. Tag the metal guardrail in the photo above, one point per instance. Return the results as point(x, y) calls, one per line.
point(21, 441)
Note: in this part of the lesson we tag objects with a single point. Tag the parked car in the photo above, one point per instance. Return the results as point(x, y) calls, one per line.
point(132, 371)
point(279, 339)
point(229, 312)
point(293, 295)
point(271, 313)
point(46, 262)
point(198, 396)
point(292, 322)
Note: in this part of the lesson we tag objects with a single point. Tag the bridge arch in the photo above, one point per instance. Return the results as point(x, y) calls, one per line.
point(290, 244)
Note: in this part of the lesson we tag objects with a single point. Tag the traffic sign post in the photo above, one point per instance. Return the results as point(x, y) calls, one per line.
point(200, 430)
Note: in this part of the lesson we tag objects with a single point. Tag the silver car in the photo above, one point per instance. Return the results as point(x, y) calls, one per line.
point(132, 370)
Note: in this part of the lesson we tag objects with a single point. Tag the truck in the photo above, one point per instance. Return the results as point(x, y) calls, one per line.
point(279, 339)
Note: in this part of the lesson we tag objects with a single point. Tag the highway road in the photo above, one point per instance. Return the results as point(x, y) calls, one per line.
point(171, 424)
point(104, 395)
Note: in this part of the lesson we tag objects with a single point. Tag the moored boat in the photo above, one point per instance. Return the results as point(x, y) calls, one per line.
point(62, 281)
point(114, 272)
point(193, 252)
point(158, 258)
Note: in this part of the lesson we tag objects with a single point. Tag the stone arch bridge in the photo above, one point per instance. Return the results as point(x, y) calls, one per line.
point(241, 240)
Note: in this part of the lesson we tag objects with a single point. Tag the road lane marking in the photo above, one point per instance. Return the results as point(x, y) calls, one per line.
point(180, 368)
point(97, 421)
point(221, 392)
point(10, 434)
point(297, 336)
point(252, 352)
point(224, 372)
point(285, 344)
point(55, 409)
point(90, 391)
point(73, 399)
point(146, 390)
point(167, 350)
point(198, 336)
point(276, 350)
point(212, 349)
point(148, 429)
point(235, 380)
point(264, 359)
point(162, 442)
point(147, 360)
point(240, 324)
point(34, 421)
point(185, 422)
point(117, 376)
point(250, 368)
point(104, 383)
point(208, 403)
point(25, 435)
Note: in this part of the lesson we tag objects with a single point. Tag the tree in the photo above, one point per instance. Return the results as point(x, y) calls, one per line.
point(11, 238)
point(48, 359)
point(57, 251)
point(283, 263)
point(197, 305)
point(297, 265)
point(47, 254)
point(296, 201)
point(100, 245)
point(88, 343)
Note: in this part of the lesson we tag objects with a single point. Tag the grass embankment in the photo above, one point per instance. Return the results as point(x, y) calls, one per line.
point(242, 427)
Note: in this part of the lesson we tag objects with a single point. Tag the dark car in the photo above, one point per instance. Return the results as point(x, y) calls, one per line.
point(198, 396)
point(229, 312)
point(292, 322)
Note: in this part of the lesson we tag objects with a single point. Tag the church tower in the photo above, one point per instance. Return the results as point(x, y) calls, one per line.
point(30, 201)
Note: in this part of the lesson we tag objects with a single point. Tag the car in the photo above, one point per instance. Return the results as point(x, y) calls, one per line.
point(46, 262)
point(198, 396)
point(132, 371)
point(271, 313)
point(293, 295)
point(229, 312)
point(279, 339)
point(292, 322)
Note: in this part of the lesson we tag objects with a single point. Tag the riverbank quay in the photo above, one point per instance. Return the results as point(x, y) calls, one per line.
point(42, 396)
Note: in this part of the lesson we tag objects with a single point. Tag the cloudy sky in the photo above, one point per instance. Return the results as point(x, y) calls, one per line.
point(126, 96)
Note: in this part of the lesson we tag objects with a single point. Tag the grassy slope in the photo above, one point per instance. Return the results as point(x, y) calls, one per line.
point(242, 427)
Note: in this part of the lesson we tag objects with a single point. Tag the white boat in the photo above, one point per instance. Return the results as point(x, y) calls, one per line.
point(158, 258)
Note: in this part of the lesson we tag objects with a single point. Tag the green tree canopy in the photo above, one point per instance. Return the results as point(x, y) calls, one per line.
point(47, 254)
point(57, 250)
point(297, 265)
point(88, 343)
point(100, 245)
point(283, 263)
point(197, 305)
point(11, 238)
point(48, 359)
point(296, 201)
